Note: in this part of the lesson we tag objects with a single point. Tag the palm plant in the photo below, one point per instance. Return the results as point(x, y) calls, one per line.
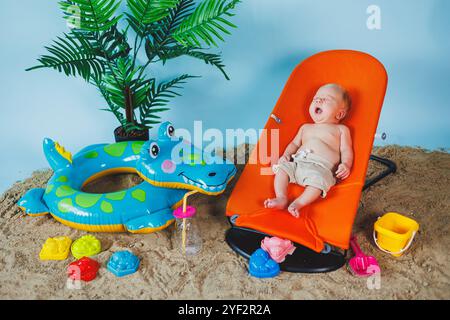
point(101, 53)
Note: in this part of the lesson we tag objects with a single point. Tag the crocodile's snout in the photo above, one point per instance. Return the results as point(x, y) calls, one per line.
point(175, 163)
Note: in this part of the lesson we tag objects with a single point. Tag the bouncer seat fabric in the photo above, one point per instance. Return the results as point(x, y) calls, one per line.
point(328, 220)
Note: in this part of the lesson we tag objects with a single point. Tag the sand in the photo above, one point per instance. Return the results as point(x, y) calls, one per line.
point(419, 190)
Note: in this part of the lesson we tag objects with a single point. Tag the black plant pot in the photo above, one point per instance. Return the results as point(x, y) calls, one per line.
point(135, 135)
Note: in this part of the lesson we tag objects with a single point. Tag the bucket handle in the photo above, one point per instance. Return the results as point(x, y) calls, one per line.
point(401, 251)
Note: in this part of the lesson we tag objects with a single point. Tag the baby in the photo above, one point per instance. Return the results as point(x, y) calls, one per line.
point(322, 152)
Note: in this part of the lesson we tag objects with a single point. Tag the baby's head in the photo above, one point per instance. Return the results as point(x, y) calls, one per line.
point(331, 104)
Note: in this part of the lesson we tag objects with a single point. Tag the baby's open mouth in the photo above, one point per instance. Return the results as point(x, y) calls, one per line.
point(318, 110)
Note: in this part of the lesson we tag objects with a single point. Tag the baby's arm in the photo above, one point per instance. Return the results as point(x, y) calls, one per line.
point(346, 154)
point(293, 147)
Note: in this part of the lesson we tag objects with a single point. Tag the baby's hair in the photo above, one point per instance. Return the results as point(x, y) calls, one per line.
point(346, 99)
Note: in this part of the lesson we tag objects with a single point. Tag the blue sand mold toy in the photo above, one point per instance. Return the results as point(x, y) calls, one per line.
point(123, 263)
point(262, 266)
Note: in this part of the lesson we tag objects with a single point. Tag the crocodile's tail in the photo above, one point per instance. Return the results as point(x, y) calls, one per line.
point(56, 155)
point(32, 203)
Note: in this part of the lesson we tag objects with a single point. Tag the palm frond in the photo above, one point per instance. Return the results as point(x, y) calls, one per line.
point(149, 11)
point(158, 98)
point(95, 15)
point(112, 44)
point(115, 109)
point(124, 81)
point(159, 32)
point(158, 35)
point(74, 56)
point(162, 30)
point(209, 58)
point(207, 23)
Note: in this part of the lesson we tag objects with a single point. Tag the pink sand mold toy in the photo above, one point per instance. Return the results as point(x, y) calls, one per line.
point(361, 265)
point(277, 248)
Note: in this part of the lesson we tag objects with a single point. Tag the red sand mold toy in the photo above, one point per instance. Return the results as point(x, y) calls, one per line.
point(84, 269)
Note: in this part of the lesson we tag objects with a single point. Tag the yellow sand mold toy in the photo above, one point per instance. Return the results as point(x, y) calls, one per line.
point(55, 248)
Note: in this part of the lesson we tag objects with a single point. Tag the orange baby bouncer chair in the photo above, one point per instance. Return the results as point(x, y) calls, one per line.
point(324, 228)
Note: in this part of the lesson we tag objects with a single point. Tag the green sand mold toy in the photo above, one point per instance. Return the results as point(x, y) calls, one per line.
point(86, 246)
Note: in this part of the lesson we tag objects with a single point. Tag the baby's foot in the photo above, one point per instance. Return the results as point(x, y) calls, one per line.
point(276, 203)
point(294, 209)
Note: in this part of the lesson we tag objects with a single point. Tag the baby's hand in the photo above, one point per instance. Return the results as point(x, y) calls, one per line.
point(283, 158)
point(342, 172)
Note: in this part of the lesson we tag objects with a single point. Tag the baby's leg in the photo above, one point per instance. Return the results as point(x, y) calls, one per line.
point(308, 196)
point(281, 186)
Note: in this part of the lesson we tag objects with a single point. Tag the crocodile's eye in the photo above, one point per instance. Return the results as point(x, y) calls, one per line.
point(170, 131)
point(154, 150)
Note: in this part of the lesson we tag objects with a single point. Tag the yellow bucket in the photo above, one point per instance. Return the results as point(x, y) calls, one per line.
point(394, 233)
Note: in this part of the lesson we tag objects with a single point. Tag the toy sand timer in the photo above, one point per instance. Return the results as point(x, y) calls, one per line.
point(187, 232)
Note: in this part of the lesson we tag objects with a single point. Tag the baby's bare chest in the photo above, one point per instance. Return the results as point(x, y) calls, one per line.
point(328, 134)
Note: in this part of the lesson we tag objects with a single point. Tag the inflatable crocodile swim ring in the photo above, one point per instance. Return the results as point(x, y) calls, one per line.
point(169, 167)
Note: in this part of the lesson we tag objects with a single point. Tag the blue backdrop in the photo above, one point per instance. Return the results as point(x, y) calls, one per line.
point(273, 37)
